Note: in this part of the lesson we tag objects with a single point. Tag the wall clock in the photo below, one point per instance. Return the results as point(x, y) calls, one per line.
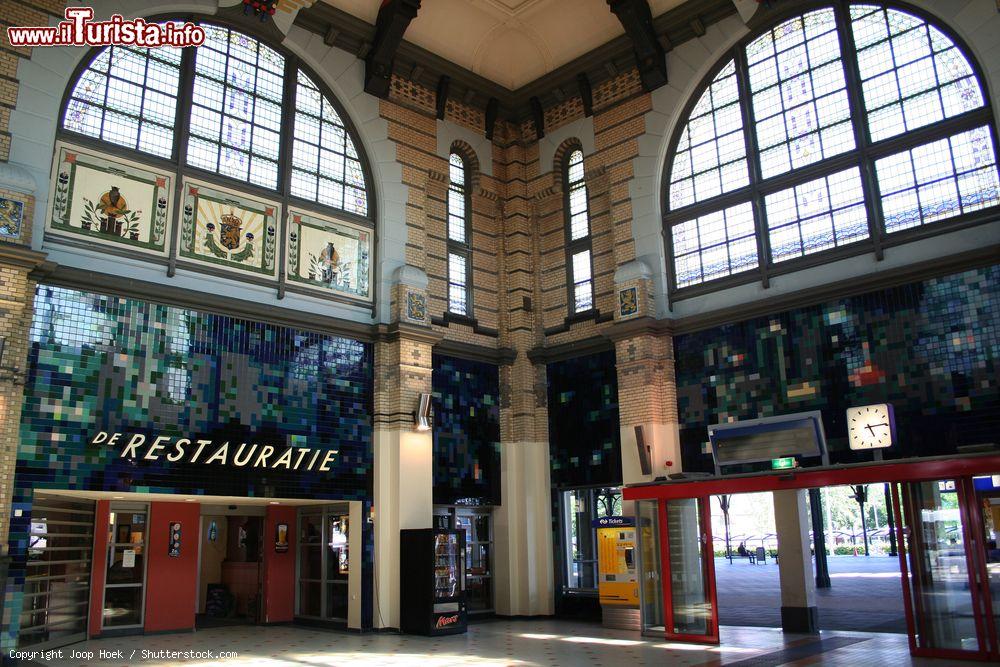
point(871, 426)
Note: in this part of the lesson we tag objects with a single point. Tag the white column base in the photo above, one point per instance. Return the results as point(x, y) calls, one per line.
point(404, 485)
point(522, 532)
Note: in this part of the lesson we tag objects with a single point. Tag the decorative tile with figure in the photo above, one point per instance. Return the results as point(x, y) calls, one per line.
point(109, 201)
point(328, 255)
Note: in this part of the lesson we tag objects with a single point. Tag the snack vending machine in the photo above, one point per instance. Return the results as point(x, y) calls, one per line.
point(432, 581)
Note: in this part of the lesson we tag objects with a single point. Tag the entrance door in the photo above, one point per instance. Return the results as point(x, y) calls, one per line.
point(689, 588)
point(945, 584)
point(125, 578)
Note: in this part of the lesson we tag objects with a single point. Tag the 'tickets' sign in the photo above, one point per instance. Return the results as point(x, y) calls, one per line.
point(206, 452)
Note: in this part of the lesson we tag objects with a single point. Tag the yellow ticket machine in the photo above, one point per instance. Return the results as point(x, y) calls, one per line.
point(617, 569)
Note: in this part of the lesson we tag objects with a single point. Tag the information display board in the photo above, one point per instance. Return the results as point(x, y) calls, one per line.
point(617, 572)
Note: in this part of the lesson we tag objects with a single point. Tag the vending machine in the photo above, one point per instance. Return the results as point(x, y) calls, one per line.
point(432, 581)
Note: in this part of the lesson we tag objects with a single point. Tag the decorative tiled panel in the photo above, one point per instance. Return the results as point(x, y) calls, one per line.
point(584, 440)
point(329, 255)
point(109, 201)
point(930, 349)
point(11, 219)
point(466, 405)
point(228, 230)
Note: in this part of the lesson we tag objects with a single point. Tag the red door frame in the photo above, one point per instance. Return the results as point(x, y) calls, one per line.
point(708, 572)
point(928, 469)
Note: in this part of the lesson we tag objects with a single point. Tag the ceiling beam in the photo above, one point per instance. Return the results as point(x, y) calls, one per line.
point(650, 58)
point(393, 19)
point(424, 68)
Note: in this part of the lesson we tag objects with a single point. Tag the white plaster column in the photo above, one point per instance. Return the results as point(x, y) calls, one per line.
point(798, 586)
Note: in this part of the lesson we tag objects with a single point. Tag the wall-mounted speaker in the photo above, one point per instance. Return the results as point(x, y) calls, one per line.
point(645, 463)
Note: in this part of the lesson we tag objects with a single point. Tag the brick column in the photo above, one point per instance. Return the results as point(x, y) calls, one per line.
point(17, 298)
point(647, 386)
point(523, 528)
point(403, 475)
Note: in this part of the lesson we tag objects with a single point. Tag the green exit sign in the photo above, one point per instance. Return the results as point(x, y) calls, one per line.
point(783, 464)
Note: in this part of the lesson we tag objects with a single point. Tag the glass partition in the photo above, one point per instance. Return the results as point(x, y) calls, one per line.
point(651, 586)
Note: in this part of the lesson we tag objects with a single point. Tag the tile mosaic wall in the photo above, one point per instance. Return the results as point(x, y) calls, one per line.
point(466, 432)
point(584, 440)
point(932, 349)
point(100, 363)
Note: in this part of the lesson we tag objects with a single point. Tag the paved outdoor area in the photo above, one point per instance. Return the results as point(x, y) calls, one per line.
point(866, 594)
point(499, 643)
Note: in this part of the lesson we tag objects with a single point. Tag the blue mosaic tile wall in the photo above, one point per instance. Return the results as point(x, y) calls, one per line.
point(932, 349)
point(466, 432)
point(584, 439)
point(101, 363)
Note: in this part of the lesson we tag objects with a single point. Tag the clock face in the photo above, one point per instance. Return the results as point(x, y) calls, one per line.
point(870, 426)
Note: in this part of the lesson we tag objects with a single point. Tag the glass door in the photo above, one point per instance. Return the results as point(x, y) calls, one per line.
point(944, 571)
point(324, 563)
point(478, 528)
point(689, 575)
point(650, 588)
point(125, 578)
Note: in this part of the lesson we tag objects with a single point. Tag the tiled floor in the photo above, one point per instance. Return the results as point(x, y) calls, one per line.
point(865, 594)
point(499, 643)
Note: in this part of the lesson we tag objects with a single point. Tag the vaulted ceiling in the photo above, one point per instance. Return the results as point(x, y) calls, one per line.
point(509, 42)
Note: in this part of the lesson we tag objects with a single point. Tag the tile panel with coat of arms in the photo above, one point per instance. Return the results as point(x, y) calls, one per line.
point(228, 230)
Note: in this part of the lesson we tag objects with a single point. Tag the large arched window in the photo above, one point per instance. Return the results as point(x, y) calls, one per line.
point(579, 262)
point(843, 130)
point(233, 109)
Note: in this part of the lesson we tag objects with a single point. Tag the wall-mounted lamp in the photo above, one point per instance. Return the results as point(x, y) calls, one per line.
point(422, 418)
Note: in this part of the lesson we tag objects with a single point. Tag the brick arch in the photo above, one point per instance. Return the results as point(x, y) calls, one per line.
point(468, 154)
point(562, 153)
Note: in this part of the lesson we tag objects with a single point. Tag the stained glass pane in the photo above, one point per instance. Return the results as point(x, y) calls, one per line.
point(711, 154)
point(799, 93)
point(457, 284)
point(818, 215)
point(714, 245)
point(322, 146)
point(229, 111)
point(912, 73)
point(939, 180)
point(458, 220)
point(128, 97)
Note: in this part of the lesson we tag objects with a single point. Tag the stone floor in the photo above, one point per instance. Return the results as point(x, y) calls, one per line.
point(498, 643)
point(865, 595)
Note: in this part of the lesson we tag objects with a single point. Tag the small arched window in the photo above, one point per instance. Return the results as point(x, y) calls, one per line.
point(226, 114)
point(459, 231)
point(843, 130)
point(579, 263)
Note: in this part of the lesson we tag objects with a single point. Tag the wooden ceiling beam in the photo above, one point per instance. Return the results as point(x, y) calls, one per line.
point(650, 58)
point(393, 19)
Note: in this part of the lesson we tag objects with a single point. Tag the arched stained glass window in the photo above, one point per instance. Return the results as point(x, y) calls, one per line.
point(833, 131)
point(234, 126)
point(579, 262)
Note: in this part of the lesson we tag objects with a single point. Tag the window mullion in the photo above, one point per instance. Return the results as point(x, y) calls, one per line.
point(753, 158)
point(185, 102)
point(859, 122)
point(286, 138)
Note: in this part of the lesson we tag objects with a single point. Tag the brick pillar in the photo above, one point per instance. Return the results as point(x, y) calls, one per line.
point(523, 528)
point(17, 298)
point(647, 386)
point(403, 479)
